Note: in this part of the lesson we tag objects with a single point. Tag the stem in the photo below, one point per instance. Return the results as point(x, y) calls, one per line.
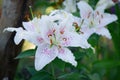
point(31, 12)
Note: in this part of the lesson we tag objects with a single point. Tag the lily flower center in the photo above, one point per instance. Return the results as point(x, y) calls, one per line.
point(52, 38)
point(77, 28)
point(94, 18)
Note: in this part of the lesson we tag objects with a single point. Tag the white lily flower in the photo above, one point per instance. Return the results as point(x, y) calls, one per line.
point(57, 38)
point(64, 18)
point(94, 21)
point(51, 38)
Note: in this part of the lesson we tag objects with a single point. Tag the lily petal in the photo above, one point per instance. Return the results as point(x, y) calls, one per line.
point(104, 32)
point(28, 26)
point(67, 56)
point(85, 9)
point(87, 32)
point(33, 25)
point(18, 37)
point(74, 39)
point(107, 19)
point(44, 55)
point(33, 37)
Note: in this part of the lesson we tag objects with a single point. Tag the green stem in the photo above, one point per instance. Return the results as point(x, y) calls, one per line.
point(31, 12)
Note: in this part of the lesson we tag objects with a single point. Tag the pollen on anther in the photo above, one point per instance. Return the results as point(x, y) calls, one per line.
point(54, 30)
point(88, 14)
point(81, 32)
point(61, 32)
point(65, 39)
point(97, 12)
point(51, 42)
point(49, 35)
point(59, 46)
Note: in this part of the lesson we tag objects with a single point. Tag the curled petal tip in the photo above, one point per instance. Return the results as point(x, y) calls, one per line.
point(75, 64)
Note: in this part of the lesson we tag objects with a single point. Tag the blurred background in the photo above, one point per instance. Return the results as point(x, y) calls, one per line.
point(104, 64)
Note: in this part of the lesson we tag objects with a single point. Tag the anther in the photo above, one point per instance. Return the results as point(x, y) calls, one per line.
point(54, 30)
point(97, 12)
point(65, 39)
point(75, 25)
point(59, 46)
point(49, 35)
point(51, 42)
point(88, 14)
point(61, 32)
point(81, 32)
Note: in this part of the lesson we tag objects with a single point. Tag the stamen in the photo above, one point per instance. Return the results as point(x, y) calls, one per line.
point(75, 24)
point(77, 28)
point(49, 35)
point(65, 39)
point(61, 32)
point(81, 32)
point(97, 12)
point(88, 14)
point(51, 42)
point(59, 46)
point(39, 39)
point(54, 30)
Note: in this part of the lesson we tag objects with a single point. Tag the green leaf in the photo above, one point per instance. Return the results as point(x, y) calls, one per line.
point(25, 54)
point(41, 75)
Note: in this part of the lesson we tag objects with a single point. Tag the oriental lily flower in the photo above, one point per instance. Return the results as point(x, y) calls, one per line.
point(57, 38)
point(64, 18)
point(94, 21)
point(51, 39)
point(67, 22)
